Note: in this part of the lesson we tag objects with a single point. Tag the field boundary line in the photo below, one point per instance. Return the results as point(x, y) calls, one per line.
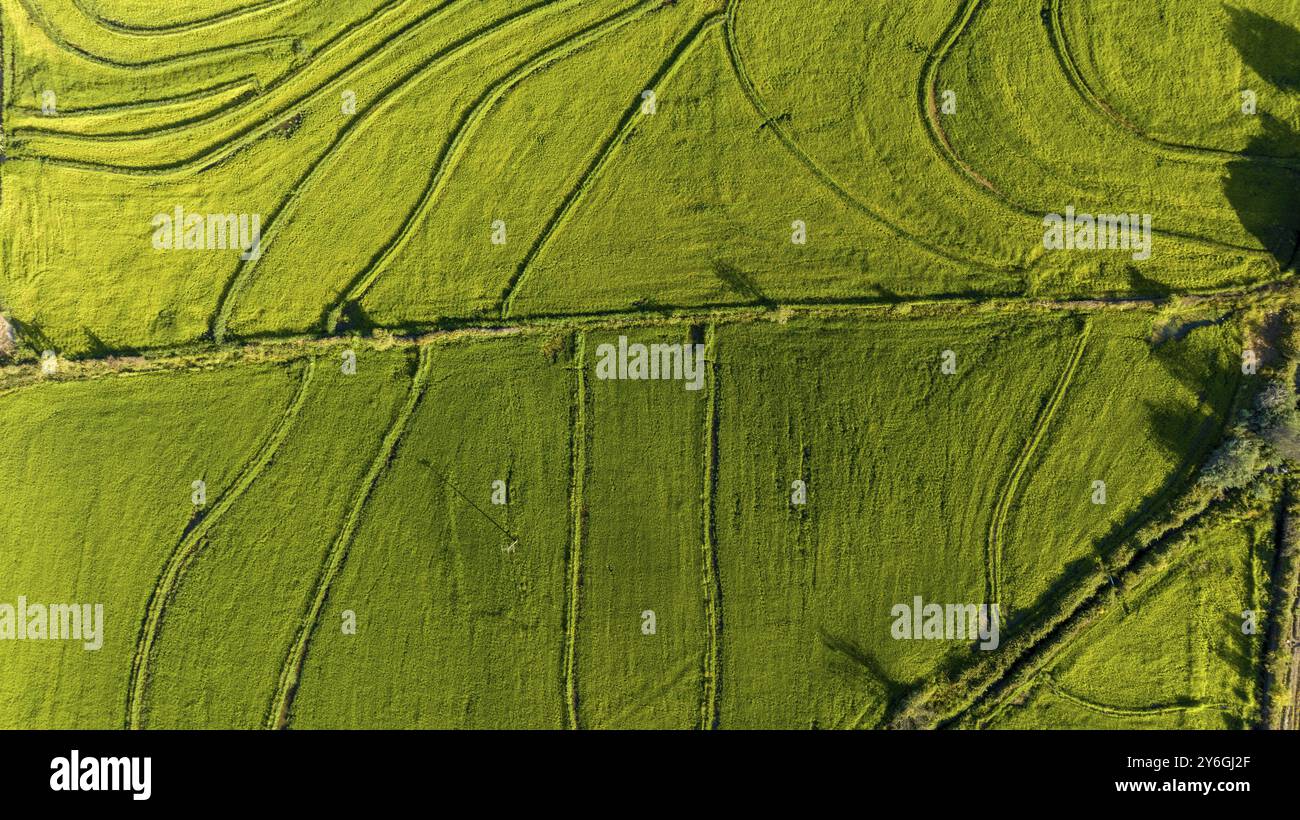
point(251, 350)
point(835, 186)
point(577, 517)
point(604, 153)
point(258, 128)
point(201, 354)
point(710, 710)
point(1002, 509)
point(191, 542)
point(291, 671)
point(126, 29)
point(56, 36)
point(98, 119)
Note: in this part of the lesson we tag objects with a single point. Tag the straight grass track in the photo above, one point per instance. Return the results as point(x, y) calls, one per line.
point(577, 526)
point(710, 708)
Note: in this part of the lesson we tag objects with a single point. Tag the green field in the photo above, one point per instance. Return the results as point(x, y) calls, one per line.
point(376, 274)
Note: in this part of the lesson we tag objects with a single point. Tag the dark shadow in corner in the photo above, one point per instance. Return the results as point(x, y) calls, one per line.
point(1264, 193)
point(740, 282)
point(31, 336)
point(352, 319)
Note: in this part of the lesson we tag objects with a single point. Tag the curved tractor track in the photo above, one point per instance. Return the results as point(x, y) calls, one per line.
point(249, 127)
point(996, 544)
point(241, 279)
point(180, 58)
point(455, 147)
point(929, 112)
point(822, 174)
point(1073, 72)
point(196, 24)
point(192, 542)
point(676, 58)
point(291, 671)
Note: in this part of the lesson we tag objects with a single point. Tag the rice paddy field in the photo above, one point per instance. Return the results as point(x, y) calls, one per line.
point(603, 364)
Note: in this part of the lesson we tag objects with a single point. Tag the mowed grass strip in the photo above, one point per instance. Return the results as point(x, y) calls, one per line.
point(642, 629)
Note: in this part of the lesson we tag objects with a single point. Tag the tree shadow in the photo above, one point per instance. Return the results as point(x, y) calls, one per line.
point(740, 282)
point(858, 661)
point(1185, 433)
point(1264, 192)
point(1271, 48)
point(31, 335)
point(352, 319)
point(97, 348)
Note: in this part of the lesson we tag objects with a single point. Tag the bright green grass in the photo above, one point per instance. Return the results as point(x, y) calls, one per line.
point(1024, 129)
point(528, 154)
point(1177, 70)
point(98, 493)
point(225, 635)
point(903, 467)
point(1136, 416)
point(907, 470)
point(384, 215)
point(849, 104)
point(642, 550)
point(451, 629)
point(371, 493)
point(674, 220)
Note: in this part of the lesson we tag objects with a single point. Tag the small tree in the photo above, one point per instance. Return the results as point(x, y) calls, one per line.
point(1234, 463)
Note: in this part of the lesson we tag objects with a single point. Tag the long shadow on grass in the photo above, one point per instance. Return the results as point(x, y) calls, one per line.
point(861, 661)
point(1265, 195)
